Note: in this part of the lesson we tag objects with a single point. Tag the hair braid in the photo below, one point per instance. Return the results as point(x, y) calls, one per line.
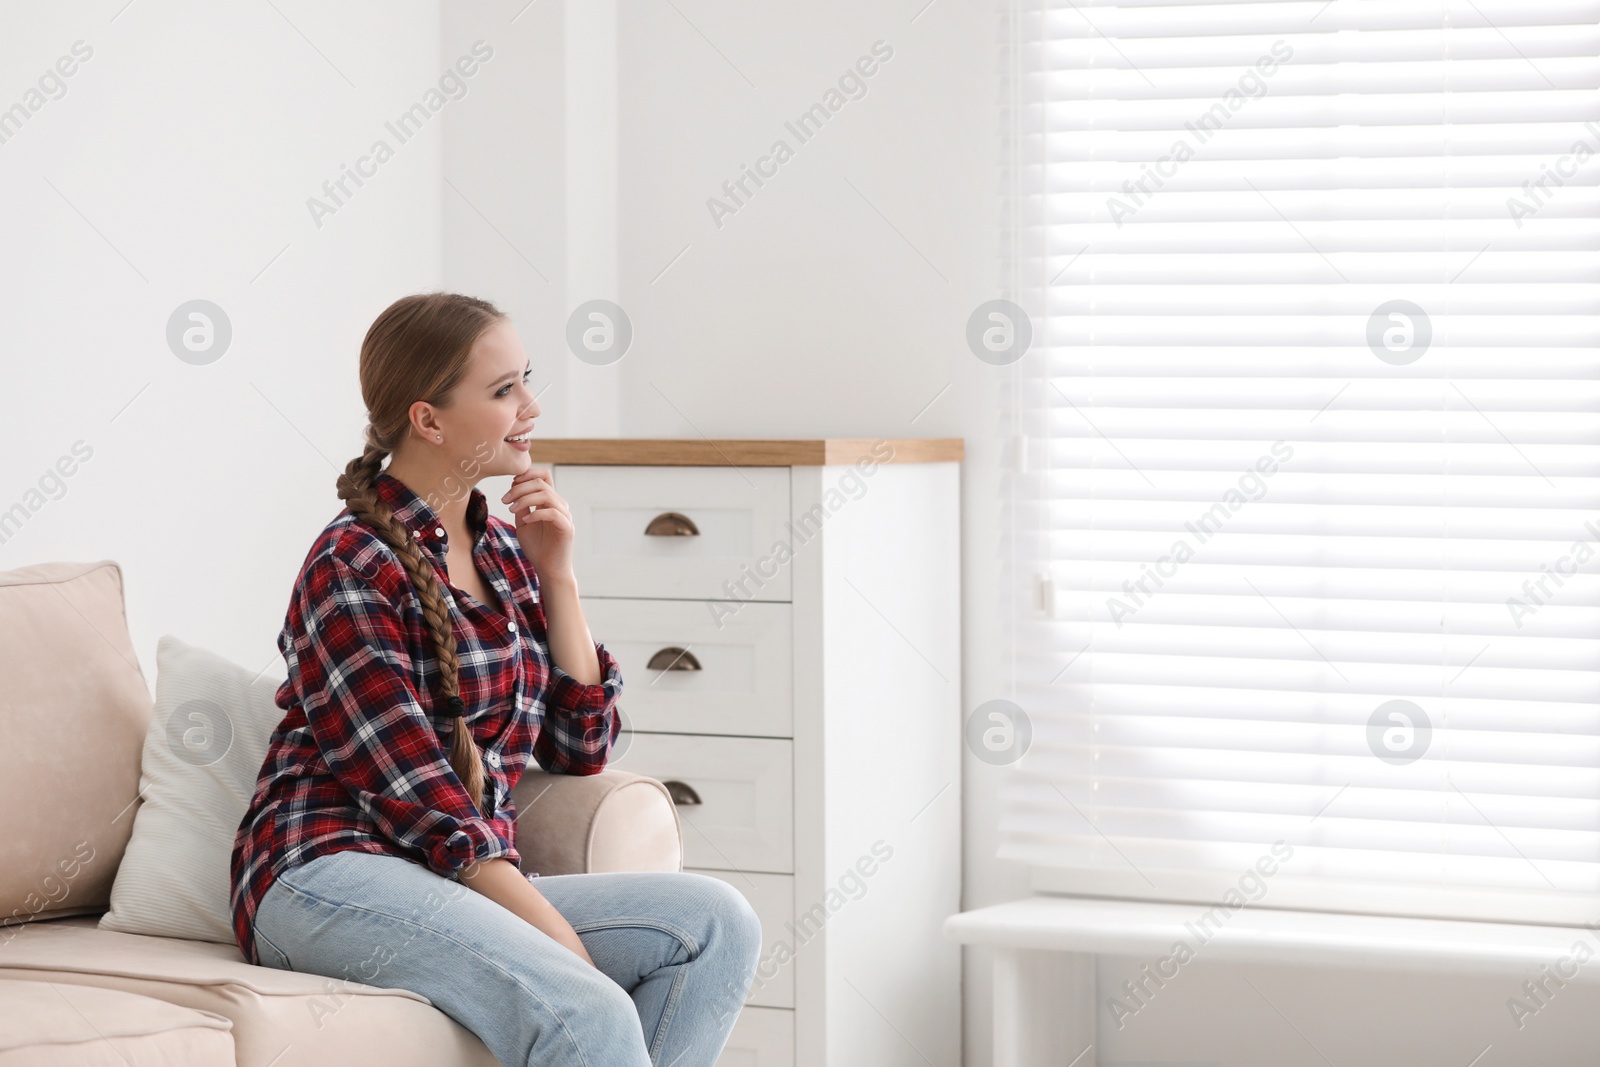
point(357, 488)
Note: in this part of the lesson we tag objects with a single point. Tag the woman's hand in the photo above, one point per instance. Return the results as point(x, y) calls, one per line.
point(545, 531)
point(544, 523)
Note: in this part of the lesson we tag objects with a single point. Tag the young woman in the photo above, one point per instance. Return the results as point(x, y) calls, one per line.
point(433, 650)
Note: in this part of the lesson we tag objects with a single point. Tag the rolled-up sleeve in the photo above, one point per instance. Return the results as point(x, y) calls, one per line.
point(581, 721)
point(354, 679)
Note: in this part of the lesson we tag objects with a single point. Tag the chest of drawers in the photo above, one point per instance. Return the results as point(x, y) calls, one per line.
point(786, 615)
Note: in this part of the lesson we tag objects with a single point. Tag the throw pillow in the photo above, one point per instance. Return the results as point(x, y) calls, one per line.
point(206, 743)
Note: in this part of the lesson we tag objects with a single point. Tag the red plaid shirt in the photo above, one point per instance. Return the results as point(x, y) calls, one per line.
point(359, 760)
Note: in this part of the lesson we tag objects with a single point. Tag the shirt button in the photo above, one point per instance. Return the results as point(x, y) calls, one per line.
point(439, 532)
point(511, 626)
point(417, 534)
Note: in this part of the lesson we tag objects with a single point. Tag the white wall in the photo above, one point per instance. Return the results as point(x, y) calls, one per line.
point(177, 166)
point(505, 201)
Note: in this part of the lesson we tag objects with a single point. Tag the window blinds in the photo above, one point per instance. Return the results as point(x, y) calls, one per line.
point(1306, 521)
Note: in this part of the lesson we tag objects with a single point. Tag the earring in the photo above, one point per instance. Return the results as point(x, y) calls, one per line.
point(440, 436)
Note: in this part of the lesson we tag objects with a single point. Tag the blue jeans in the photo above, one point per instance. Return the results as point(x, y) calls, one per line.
point(674, 953)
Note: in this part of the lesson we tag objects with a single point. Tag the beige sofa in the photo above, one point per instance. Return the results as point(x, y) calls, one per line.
point(74, 709)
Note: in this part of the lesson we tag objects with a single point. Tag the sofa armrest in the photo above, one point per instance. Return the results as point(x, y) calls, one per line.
point(584, 824)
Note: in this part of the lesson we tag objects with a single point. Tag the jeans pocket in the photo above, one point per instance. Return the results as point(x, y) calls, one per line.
point(271, 955)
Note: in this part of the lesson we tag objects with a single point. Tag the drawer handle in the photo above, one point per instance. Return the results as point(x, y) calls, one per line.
point(681, 792)
point(672, 524)
point(674, 659)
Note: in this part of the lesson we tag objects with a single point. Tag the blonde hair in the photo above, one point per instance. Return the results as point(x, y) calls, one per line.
point(417, 349)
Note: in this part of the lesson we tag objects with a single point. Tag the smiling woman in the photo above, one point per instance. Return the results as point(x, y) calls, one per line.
point(434, 651)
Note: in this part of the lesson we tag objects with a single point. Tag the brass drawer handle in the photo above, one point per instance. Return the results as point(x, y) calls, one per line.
point(681, 792)
point(672, 524)
point(674, 659)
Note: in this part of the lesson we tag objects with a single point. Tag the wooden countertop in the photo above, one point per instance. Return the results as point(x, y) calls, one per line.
point(744, 452)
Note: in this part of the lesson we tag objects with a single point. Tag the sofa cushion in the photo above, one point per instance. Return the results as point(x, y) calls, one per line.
point(317, 1020)
point(207, 741)
point(50, 1024)
point(73, 718)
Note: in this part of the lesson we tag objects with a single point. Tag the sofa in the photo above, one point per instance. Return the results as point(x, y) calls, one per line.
point(75, 711)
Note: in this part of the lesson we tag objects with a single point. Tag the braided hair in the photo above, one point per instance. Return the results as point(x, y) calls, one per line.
point(418, 349)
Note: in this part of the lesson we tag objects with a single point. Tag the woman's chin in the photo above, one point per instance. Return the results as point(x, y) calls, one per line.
point(510, 461)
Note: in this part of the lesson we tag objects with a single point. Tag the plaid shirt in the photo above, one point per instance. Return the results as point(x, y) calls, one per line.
point(359, 760)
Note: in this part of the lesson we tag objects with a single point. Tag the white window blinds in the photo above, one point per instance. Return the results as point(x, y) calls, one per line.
point(1312, 441)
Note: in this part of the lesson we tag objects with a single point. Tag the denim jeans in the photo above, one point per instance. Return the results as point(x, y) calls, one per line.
point(674, 953)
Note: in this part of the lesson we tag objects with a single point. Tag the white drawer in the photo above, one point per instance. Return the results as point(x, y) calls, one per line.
point(737, 515)
point(744, 820)
point(736, 679)
point(772, 895)
point(763, 1037)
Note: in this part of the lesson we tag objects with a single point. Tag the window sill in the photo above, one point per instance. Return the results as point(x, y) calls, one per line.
point(1136, 928)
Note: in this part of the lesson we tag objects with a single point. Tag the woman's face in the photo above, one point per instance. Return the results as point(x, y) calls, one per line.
point(491, 403)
